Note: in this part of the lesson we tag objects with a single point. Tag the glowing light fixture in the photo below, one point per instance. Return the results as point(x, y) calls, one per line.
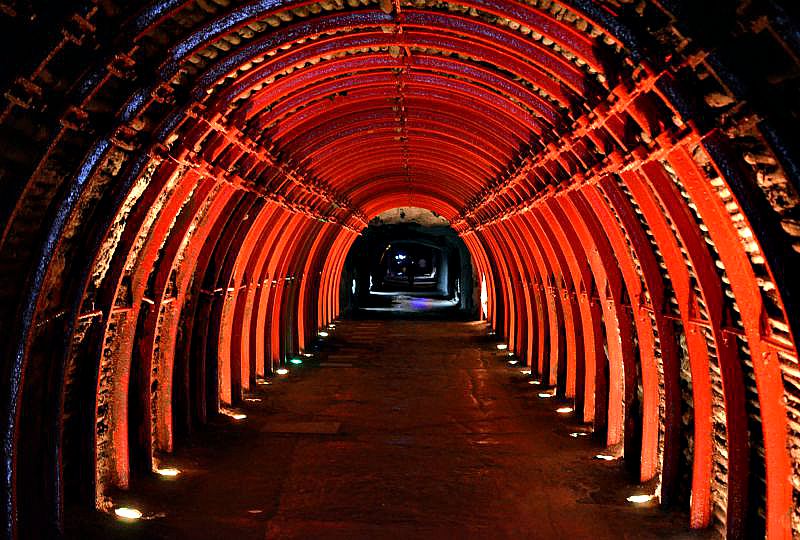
point(640, 499)
point(253, 399)
point(125, 512)
point(576, 434)
point(323, 333)
point(545, 395)
point(534, 381)
point(168, 471)
point(296, 361)
point(604, 457)
point(564, 410)
point(281, 371)
point(502, 346)
point(308, 354)
point(233, 414)
point(526, 372)
point(513, 362)
point(262, 382)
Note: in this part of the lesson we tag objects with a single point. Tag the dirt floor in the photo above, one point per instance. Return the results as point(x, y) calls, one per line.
point(395, 429)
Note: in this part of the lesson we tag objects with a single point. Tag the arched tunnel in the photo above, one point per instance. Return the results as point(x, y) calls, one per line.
point(183, 181)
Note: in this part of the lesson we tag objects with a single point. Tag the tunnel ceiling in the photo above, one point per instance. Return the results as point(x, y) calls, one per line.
point(183, 179)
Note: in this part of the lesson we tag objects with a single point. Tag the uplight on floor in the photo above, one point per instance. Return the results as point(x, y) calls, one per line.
point(564, 410)
point(323, 334)
point(640, 499)
point(604, 457)
point(125, 512)
point(545, 395)
point(502, 346)
point(281, 371)
point(170, 472)
point(296, 361)
point(233, 414)
point(534, 381)
point(513, 362)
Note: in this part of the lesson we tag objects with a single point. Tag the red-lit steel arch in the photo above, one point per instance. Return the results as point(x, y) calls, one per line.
point(189, 177)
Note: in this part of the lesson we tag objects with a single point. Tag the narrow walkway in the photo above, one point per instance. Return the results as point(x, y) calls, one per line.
point(402, 429)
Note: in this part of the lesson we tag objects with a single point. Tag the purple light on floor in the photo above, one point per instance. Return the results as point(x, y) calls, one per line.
point(420, 303)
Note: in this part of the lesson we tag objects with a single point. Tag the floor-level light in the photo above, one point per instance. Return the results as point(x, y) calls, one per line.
point(502, 346)
point(281, 371)
point(323, 333)
point(604, 457)
point(640, 499)
point(233, 414)
point(169, 472)
point(564, 410)
point(128, 513)
point(296, 361)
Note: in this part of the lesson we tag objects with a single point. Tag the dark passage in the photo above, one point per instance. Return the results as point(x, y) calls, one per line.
point(398, 429)
point(409, 263)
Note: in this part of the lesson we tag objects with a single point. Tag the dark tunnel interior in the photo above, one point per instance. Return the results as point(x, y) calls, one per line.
point(409, 264)
point(400, 268)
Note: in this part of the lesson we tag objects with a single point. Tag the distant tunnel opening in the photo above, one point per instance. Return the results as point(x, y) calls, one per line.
point(409, 261)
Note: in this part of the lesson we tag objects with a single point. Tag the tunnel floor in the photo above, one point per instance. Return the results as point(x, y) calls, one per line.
point(396, 429)
point(409, 305)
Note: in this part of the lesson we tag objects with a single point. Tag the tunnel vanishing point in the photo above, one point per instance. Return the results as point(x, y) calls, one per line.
point(182, 181)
